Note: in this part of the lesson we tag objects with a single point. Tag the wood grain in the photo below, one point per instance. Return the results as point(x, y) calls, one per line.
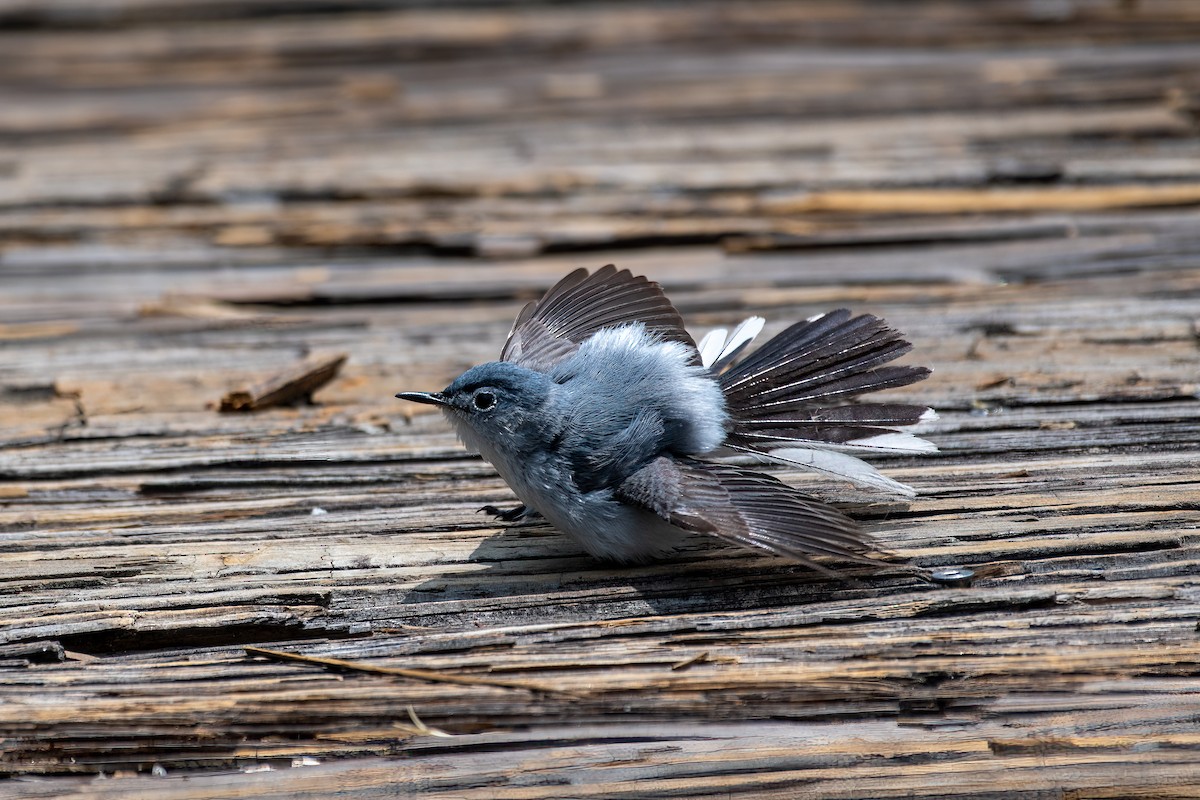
point(197, 195)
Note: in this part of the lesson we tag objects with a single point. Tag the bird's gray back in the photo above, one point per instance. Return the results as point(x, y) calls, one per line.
point(628, 397)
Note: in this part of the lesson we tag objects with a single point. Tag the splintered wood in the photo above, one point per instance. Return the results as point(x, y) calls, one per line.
point(289, 386)
point(304, 601)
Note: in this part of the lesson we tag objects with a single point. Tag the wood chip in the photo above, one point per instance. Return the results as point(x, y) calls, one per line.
point(289, 386)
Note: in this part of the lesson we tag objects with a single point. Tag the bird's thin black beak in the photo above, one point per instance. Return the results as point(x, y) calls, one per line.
point(428, 398)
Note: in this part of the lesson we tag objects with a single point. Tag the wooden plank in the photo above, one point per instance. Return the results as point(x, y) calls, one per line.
point(1017, 494)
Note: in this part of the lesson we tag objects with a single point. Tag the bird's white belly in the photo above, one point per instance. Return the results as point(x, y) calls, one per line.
point(604, 527)
point(613, 531)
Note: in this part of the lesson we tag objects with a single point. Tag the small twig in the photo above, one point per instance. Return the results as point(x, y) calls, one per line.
point(415, 674)
point(400, 628)
point(418, 726)
point(687, 662)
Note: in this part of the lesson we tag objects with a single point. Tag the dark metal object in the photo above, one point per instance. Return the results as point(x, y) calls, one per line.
point(953, 576)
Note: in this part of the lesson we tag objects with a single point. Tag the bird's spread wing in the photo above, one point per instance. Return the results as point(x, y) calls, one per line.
point(745, 508)
point(549, 330)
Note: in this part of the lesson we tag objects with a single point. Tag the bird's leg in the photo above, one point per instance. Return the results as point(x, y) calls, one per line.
point(511, 514)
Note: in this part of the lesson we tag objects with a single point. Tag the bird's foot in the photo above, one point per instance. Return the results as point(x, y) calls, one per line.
point(511, 514)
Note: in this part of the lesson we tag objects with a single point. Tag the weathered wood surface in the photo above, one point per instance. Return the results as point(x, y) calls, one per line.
point(197, 196)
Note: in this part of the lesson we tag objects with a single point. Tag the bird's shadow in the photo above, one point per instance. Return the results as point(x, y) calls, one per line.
point(530, 573)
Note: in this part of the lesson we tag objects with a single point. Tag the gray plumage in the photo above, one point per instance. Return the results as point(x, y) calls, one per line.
point(602, 412)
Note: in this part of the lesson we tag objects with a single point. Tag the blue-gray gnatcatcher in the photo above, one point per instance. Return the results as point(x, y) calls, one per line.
point(602, 413)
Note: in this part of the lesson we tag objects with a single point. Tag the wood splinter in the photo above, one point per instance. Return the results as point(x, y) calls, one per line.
point(293, 384)
point(432, 676)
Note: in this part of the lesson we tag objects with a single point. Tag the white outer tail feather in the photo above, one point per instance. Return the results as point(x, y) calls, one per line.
point(899, 442)
point(840, 465)
point(718, 350)
point(711, 345)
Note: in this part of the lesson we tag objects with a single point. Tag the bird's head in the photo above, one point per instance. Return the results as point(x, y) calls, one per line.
point(494, 406)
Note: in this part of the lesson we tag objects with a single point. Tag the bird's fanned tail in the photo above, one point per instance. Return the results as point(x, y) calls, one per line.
point(788, 399)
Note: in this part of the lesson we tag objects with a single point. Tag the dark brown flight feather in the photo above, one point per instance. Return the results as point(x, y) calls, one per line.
point(745, 508)
point(551, 329)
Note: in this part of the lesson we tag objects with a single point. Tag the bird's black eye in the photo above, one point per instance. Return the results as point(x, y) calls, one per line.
point(484, 400)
